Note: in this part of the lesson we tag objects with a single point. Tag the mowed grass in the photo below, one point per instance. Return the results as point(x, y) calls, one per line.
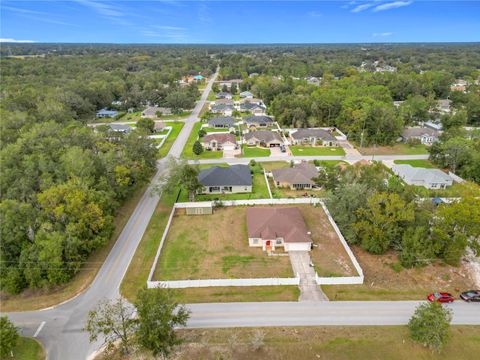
point(254, 151)
point(215, 247)
point(137, 273)
point(28, 349)
point(326, 342)
point(385, 279)
point(316, 151)
point(187, 152)
point(39, 299)
point(397, 149)
point(167, 145)
point(416, 163)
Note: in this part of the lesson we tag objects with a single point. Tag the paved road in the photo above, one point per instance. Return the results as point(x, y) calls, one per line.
point(60, 328)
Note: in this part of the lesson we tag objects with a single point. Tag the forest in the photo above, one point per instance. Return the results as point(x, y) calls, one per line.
point(61, 181)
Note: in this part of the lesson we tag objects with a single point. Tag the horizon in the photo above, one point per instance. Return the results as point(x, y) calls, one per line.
point(239, 22)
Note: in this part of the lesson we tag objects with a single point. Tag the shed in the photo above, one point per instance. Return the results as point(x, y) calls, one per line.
point(203, 209)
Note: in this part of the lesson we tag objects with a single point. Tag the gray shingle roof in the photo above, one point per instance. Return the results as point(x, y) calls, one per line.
point(302, 173)
point(222, 121)
point(418, 132)
point(235, 175)
point(258, 120)
point(414, 174)
point(264, 136)
point(120, 127)
point(317, 133)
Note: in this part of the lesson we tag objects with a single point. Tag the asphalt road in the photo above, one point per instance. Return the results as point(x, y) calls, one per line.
point(60, 328)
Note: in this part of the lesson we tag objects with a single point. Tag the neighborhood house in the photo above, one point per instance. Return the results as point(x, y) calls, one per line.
point(104, 113)
point(152, 111)
point(221, 180)
point(428, 178)
point(221, 122)
point(425, 135)
point(297, 177)
point(223, 95)
point(313, 137)
point(258, 121)
point(226, 110)
point(219, 141)
point(120, 128)
point(246, 94)
point(253, 108)
point(270, 227)
point(264, 138)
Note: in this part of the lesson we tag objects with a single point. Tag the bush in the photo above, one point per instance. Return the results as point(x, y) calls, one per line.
point(8, 337)
point(430, 325)
point(197, 148)
point(201, 133)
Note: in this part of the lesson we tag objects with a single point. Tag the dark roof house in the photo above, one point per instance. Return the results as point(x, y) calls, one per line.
point(259, 121)
point(235, 175)
point(221, 122)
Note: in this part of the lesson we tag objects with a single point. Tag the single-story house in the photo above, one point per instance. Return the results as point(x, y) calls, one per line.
point(255, 109)
point(159, 126)
point(226, 110)
point(226, 122)
point(313, 80)
point(231, 180)
point(425, 135)
point(443, 105)
point(198, 77)
point(219, 141)
point(251, 101)
point(228, 83)
point(434, 124)
point(263, 138)
point(258, 121)
point(120, 128)
point(223, 95)
point(428, 178)
point(151, 112)
point(272, 227)
point(313, 137)
point(297, 177)
point(223, 102)
point(104, 113)
point(246, 95)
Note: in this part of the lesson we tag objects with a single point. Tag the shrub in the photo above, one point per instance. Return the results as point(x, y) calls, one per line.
point(197, 148)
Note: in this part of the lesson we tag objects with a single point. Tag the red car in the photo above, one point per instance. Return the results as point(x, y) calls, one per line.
point(441, 297)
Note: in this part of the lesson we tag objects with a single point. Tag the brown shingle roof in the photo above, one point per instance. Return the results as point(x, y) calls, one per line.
point(264, 135)
point(221, 138)
point(302, 173)
point(271, 223)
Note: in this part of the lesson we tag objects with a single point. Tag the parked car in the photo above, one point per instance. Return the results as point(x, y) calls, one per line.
point(441, 297)
point(471, 295)
point(283, 148)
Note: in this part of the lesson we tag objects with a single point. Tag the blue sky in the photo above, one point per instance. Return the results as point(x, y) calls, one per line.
point(171, 21)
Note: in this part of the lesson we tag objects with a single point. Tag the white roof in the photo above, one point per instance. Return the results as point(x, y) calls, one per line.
point(415, 174)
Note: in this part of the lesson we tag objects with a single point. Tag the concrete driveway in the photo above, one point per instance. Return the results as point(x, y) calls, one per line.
point(309, 290)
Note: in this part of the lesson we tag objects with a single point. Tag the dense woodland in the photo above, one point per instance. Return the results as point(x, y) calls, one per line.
point(61, 181)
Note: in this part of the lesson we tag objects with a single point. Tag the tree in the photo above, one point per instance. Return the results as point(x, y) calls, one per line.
point(146, 124)
point(8, 337)
point(430, 325)
point(158, 316)
point(418, 247)
point(112, 321)
point(380, 223)
point(201, 133)
point(197, 148)
point(181, 175)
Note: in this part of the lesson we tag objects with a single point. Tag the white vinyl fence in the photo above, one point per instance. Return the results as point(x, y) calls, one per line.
point(306, 200)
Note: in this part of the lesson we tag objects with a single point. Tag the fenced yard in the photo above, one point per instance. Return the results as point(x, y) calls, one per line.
point(215, 247)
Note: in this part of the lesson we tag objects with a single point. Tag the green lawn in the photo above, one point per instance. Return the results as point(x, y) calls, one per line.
point(249, 151)
point(28, 349)
point(416, 163)
point(176, 128)
point(188, 149)
point(211, 96)
point(316, 151)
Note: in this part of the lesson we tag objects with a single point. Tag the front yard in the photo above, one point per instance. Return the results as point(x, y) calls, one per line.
point(215, 247)
point(254, 151)
point(417, 163)
point(398, 149)
point(298, 150)
point(187, 152)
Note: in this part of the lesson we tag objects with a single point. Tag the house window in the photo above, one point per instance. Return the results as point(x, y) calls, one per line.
point(278, 242)
point(214, 188)
point(254, 241)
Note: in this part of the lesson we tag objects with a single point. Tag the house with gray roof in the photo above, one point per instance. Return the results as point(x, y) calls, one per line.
point(298, 177)
point(258, 121)
point(226, 110)
point(223, 95)
point(121, 128)
point(428, 178)
point(246, 95)
point(425, 135)
point(221, 122)
point(313, 137)
point(264, 138)
point(226, 180)
point(104, 113)
point(152, 111)
point(255, 109)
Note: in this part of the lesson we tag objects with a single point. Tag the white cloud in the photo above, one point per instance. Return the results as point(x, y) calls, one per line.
point(101, 8)
point(392, 5)
point(362, 7)
point(167, 33)
point(314, 14)
point(8, 40)
point(382, 34)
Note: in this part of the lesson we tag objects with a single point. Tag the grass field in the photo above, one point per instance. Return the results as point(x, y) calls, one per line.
point(249, 151)
point(28, 349)
point(39, 299)
point(385, 279)
point(215, 247)
point(416, 163)
point(176, 128)
point(316, 151)
point(188, 149)
point(326, 342)
point(398, 149)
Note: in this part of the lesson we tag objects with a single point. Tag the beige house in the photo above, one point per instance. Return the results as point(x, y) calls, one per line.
point(264, 138)
point(151, 112)
point(313, 137)
point(298, 177)
point(219, 141)
point(270, 228)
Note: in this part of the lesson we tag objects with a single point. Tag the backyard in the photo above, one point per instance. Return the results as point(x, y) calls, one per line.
point(297, 150)
point(398, 149)
point(176, 128)
point(194, 249)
